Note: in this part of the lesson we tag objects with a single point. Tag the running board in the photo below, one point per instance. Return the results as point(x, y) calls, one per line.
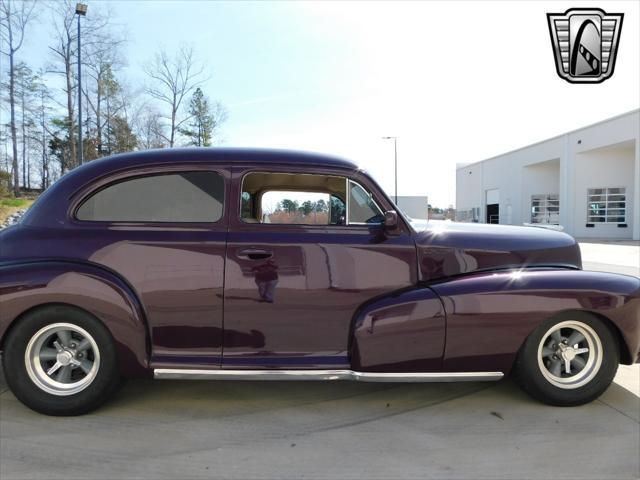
point(186, 374)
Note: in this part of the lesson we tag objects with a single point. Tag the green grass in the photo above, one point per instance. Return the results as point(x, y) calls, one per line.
point(9, 205)
point(14, 202)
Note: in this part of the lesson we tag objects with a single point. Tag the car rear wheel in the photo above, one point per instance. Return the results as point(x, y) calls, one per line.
point(59, 360)
point(568, 360)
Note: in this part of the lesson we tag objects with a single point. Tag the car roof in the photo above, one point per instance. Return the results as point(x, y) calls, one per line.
point(217, 155)
point(53, 204)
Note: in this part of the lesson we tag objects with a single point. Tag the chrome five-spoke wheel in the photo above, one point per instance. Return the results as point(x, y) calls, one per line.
point(62, 359)
point(569, 359)
point(570, 354)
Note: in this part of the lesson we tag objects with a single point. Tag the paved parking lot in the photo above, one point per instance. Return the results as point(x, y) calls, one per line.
point(180, 429)
point(619, 257)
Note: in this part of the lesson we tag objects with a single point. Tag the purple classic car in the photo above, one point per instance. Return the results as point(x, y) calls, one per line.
point(273, 265)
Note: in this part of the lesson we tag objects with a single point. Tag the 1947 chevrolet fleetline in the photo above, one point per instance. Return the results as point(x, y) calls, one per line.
point(274, 265)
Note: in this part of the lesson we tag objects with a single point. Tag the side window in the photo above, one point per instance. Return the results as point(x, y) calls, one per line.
point(361, 206)
point(306, 199)
point(287, 198)
point(171, 197)
point(295, 207)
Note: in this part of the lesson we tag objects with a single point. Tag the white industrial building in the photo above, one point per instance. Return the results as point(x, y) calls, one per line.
point(587, 181)
point(414, 206)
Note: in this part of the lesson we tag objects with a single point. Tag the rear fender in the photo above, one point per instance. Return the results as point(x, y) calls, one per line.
point(27, 286)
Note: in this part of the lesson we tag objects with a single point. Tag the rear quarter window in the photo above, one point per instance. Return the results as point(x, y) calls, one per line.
point(172, 197)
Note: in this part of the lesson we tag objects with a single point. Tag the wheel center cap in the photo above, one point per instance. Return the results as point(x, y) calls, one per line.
point(569, 353)
point(64, 358)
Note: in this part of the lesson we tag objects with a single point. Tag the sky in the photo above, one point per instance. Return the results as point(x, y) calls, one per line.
point(455, 81)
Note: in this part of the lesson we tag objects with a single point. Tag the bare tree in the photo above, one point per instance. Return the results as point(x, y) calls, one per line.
point(13, 23)
point(42, 135)
point(64, 50)
point(24, 93)
point(174, 78)
point(4, 139)
point(220, 114)
point(148, 128)
point(102, 58)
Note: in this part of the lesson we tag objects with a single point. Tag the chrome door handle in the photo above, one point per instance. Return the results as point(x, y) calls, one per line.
point(254, 254)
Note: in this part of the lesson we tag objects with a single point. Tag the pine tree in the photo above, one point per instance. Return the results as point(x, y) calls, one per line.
point(200, 130)
point(121, 137)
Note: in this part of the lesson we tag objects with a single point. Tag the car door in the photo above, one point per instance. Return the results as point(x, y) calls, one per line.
point(164, 231)
point(291, 290)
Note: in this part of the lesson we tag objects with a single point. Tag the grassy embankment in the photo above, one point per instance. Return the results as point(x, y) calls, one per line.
point(10, 206)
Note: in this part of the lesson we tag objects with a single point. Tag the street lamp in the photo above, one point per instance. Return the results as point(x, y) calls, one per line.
point(395, 161)
point(81, 11)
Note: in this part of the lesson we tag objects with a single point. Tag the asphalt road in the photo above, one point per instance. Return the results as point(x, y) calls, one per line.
point(246, 430)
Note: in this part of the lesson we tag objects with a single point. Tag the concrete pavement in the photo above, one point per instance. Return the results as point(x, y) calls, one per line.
point(241, 430)
point(619, 257)
point(247, 430)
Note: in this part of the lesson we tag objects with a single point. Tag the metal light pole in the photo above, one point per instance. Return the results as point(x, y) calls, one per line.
point(395, 162)
point(81, 11)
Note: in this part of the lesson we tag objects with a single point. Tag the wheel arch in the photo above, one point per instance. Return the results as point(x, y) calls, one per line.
point(625, 353)
point(503, 309)
point(103, 295)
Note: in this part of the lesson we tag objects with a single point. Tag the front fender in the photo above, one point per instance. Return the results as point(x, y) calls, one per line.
point(25, 286)
point(400, 332)
point(490, 315)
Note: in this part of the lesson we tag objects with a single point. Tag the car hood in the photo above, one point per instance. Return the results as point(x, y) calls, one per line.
point(448, 248)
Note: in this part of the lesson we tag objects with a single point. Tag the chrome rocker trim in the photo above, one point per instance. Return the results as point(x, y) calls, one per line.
point(187, 374)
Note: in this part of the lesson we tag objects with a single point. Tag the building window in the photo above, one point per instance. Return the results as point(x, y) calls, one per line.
point(606, 205)
point(463, 215)
point(545, 208)
point(469, 215)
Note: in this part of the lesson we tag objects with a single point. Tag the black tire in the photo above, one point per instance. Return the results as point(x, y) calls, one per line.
point(101, 387)
point(529, 374)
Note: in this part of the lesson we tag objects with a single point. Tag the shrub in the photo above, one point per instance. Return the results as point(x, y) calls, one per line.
point(5, 183)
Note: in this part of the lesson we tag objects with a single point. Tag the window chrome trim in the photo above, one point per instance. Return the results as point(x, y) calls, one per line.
point(347, 200)
point(84, 194)
point(196, 374)
point(348, 195)
point(240, 218)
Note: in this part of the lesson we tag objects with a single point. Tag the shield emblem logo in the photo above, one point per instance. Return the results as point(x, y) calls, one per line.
point(585, 43)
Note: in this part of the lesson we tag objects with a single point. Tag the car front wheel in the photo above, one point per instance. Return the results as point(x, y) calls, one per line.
point(568, 360)
point(59, 360)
